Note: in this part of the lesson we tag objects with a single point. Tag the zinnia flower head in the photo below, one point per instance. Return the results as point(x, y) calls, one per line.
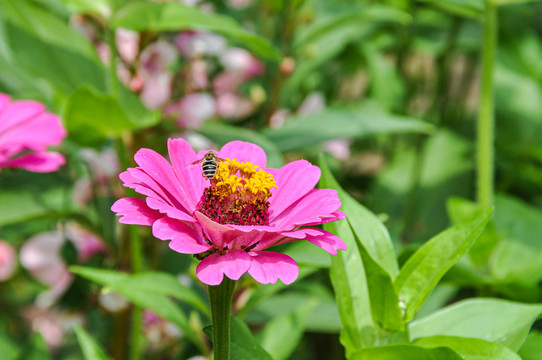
point(231, 220)
point(26, 130)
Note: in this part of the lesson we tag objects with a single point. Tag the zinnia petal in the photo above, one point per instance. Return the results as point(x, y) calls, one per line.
point(294, 180)
point(184, 239)
point(37, 162)
point(267, 267)
point(135, 211)
point(243, 152)
point(309, 209)
point(233, 264)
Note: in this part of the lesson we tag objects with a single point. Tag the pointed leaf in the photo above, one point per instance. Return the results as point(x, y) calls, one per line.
point(470, 349)
point(500, 321)
point(91, 349)
point(341, 122)
point(405, 352)
point(425, 267)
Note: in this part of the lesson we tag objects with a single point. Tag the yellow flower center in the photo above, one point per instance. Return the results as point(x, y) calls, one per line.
point(238, 194)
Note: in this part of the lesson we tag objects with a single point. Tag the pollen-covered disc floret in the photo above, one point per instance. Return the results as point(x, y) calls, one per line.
point(238, 194)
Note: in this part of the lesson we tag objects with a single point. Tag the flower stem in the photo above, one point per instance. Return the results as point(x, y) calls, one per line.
point(220, 297)
point(486, 121)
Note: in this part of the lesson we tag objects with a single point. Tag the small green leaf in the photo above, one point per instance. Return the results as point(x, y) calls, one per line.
point(500, 321)
point(25, 198)
point(102, 7)
point(384, 300)
point(341, 122)
point(243, 345)
point(91, 117)
point(8, 347)
point(466, 8)
point(404, 352)
point(281, 335)
point(174, 16)
point(221, 133)
point(91, 349)
point(349, 280)
point(510, 2)
point(425, 267)
point(470, 349)
point(158, 302)
point(36, 349)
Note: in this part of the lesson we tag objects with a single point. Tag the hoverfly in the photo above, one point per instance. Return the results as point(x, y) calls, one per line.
point(209, 165)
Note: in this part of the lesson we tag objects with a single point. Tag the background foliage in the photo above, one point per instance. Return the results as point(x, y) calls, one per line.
point(390, 90)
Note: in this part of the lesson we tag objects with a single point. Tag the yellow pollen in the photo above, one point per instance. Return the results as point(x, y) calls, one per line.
point(243, 178)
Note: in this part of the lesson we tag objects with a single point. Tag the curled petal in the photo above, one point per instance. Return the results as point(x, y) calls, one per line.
point(171, 211)
point(243, 152)
point(233, 264)
point(161, 171)
point(184, 239)
point(135, 211)
point(267, 267)
point(327, 241)
point(317, 204)
point(18, 112)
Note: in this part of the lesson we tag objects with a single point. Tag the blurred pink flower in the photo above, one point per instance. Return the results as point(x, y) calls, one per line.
point(127, 44)
point(233, 106)
point(198, 75)
point(241, 62)
point(154, 73)
point(52, 324)
point(156, 90)
point(239, 4)
point(192, 110)
point(41, 257)
point(159, 331)
point(195, 44)
point(231, 220)
point(339, 148)
point(26, 130)
point(103, 167)
point(8, 260)
point(312, 104)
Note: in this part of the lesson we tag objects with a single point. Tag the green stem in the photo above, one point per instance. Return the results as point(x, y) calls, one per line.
point(486, 122)
point(220, 297)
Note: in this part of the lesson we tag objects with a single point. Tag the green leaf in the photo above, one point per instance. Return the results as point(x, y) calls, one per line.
point(470, 349)
point(466, 8)
point(221, 133)
point(282, 334)
point(91, 117)
point(8, 347)
point(404, 352)
point(243, 345)
point(425, 267)
point(340, 122)
point(142, 296)
point(36, 349)
point(159, 283)
point(461, 210)
point(384, 300)
point(500, 321)
point(349, 280)
point(26, 198)
point(102, 7)
point(49, 50)
point(173, 16)
point(510, 2)
point(91, 349)
point(532, 347)
point(337, 22)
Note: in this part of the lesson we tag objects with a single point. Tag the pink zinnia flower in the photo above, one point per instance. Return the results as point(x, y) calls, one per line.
point(26, 130)
point(231, 220)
